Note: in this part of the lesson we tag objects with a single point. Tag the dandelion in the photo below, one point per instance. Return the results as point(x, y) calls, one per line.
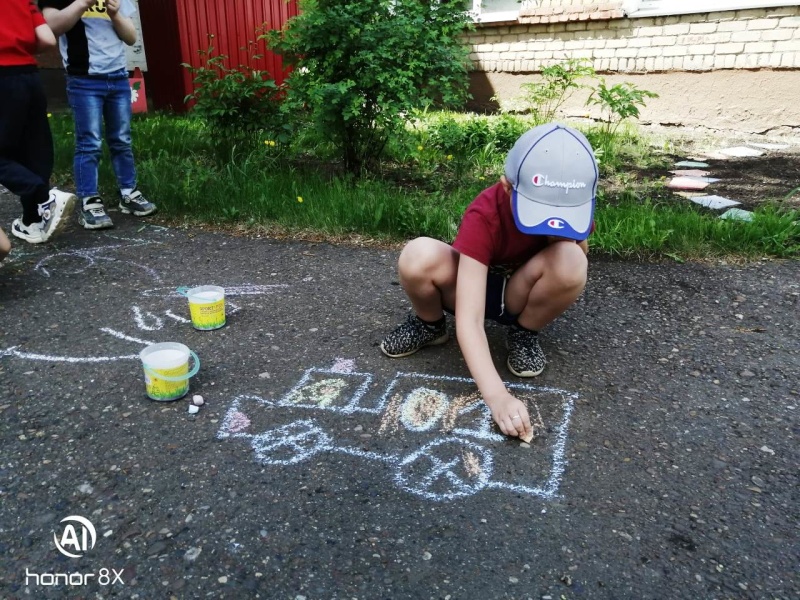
point(268, 142)
point(449, 157)
point(49, 115)
point(272, 142)
point(300, 199)
point(419, 148)
point(481, 178)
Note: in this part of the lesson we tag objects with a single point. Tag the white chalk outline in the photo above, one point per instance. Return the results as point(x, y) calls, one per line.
point(466, 438)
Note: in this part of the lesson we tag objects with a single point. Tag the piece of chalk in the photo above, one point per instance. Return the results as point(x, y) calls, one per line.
point(193, 409)
point(197, 400)
point(527, 438)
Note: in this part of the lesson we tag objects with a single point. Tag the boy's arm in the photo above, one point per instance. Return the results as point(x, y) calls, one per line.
point(126, 30)
point(45, 39)
point(61, 21)
point(470, 307)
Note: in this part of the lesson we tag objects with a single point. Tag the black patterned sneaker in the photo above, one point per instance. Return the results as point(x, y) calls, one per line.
point(136, 204)
point(525, 355)
point(411, 335)
point(93, 214)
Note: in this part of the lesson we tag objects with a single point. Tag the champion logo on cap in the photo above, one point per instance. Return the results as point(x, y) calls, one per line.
point(540, 180)
point(555, 224)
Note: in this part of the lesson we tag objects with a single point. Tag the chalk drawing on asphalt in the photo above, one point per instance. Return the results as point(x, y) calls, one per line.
point(75, 262)
point(144, 320)
point(450, 427)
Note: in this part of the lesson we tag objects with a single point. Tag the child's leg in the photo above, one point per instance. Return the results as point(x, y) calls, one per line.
point(117, 115)
point(5, 244)
point(36, 151)
point(428, 270)
point(86, 100)
point(22, 132)
point(548, 284)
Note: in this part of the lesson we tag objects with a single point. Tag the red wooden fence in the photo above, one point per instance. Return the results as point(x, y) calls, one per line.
point(175, 30)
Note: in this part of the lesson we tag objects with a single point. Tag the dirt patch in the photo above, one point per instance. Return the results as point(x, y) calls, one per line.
point(773, 177)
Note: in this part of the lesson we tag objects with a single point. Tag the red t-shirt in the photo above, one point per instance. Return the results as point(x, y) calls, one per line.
point(489, 235)
point(17, 38)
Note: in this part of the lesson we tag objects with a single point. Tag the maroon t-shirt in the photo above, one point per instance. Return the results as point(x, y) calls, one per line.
point(489, 235)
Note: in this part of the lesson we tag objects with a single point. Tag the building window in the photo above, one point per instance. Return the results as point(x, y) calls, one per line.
point(658, 8)
point(489, 11)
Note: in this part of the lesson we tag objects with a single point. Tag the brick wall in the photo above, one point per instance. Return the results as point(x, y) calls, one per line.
point(556, 30)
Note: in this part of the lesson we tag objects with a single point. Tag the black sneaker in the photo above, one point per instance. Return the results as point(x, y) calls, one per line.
point(136, 204)
point(93, 214)
point(525, 355)
point(411, 335)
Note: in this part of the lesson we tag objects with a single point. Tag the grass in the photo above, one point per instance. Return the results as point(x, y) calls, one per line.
point(429, 177)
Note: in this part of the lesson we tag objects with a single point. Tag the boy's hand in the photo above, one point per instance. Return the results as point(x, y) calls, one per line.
point(112, 7)
point(511, 416)
point(86, 4)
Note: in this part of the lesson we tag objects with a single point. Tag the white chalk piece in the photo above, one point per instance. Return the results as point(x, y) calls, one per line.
point(197, 400)
point(737, 214)
point(740, 151)
point(714, 202)
point(692, 164)
point(193, 409)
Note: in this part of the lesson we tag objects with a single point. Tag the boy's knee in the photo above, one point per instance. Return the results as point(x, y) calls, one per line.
point(5, 245)
point(568, 265)
point(418, 255)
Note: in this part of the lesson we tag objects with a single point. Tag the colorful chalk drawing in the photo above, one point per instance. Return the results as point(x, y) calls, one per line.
point(454, 441)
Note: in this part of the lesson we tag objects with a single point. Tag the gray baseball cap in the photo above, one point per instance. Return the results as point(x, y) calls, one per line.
point(553, 175)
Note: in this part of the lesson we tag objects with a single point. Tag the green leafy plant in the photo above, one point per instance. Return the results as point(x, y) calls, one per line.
point(617, 103)
point(558, 82)
point(362, 67)
point(236, 100)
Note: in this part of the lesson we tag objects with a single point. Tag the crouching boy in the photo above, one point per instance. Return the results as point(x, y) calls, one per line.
point(519, 258)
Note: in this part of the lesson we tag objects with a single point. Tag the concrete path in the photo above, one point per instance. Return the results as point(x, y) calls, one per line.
point(665, 464)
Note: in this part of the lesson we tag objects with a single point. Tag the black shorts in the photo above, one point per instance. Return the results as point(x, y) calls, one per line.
point(496, 310)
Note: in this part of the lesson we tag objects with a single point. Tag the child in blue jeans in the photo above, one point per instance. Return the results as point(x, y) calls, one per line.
point(93, 34)
point(26, 145)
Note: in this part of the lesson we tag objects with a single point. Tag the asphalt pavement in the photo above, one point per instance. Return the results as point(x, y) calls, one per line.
point(665, 463)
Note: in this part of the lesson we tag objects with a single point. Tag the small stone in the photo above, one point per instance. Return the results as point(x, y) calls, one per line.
point(85, 488)
point(192, 554)
point(513, 580)
point(197, 400)
point(427, 556)
point(193, 409)
point(767, 449)
point(758, 481)
point(223, 579)
point(747, 373)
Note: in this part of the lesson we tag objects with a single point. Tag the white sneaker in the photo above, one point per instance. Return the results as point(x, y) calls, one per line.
point(52, 212)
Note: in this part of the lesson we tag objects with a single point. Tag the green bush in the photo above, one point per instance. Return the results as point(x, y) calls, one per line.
point(362, 67)
point(236, 100)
